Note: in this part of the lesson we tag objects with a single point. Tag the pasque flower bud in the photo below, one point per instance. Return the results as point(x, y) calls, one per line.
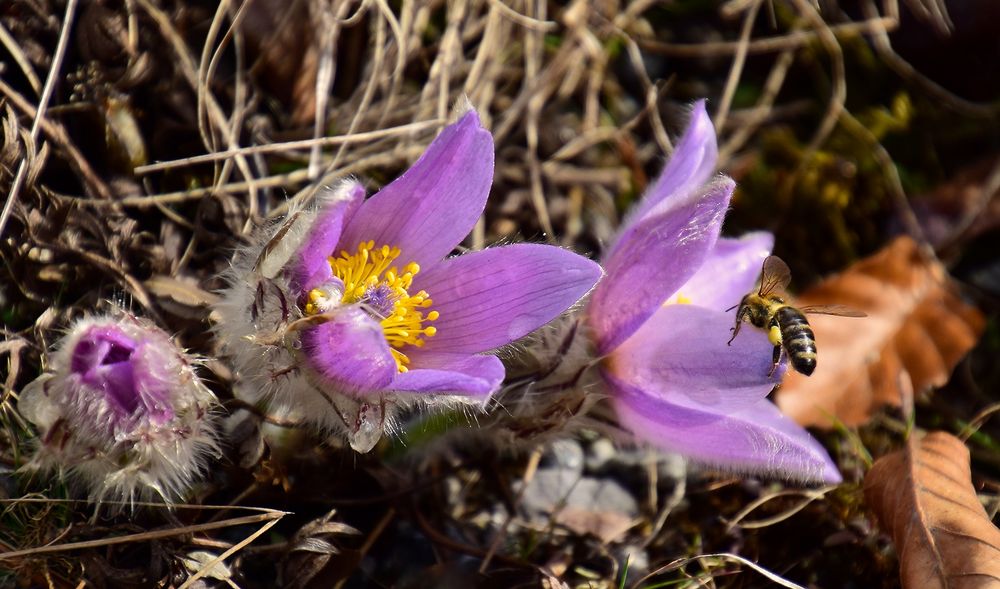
point(121, 412)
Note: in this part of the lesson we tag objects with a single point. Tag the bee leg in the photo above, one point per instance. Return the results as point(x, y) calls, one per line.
point(735, 330)
point(776, 360)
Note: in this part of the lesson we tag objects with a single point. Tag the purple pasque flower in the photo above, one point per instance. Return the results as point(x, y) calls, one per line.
point(659, 323)
point(121, 410)
point(350, 309)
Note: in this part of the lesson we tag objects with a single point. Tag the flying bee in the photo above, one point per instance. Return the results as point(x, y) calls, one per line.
point(786, 325)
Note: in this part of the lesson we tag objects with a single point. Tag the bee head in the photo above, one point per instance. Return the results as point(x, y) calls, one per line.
point(755, 309)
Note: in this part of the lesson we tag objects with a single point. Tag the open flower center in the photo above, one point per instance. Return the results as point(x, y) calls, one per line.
point(371, 279)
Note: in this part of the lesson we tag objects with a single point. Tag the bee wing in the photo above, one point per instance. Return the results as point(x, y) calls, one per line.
point(840, 310)
point(774, 276)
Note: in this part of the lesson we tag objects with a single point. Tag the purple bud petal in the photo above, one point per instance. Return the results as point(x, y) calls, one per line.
point(349, 352)
point(102, 359)
point(122, 375)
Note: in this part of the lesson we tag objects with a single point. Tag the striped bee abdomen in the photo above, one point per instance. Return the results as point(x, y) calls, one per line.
point(798, 339)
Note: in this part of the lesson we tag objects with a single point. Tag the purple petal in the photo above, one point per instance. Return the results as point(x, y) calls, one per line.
point(155, 375)
point(349, 351)
point(680, 355)
point(652, 260)
point(309, 266)
point(118, 383)
point(428, 210)
point(757, 439)
point(729, 272)
point(103, 359)
point(457, 374)
point(492, 297)
point(132, 374)
point(101, 345)
point(690, 166)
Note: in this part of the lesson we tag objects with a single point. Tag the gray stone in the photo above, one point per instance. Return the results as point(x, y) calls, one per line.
point(564, 454)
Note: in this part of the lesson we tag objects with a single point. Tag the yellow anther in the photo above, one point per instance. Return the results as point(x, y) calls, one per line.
point(401, 360)
point(372, 268)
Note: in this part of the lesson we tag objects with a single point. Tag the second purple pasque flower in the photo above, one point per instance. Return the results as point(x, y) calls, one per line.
point(350, 309)
point(658, 322)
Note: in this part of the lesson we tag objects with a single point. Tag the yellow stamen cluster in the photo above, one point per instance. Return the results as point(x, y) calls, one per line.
point(371, 269)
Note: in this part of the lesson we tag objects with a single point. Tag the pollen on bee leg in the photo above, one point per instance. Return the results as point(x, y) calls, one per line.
point(774, 335)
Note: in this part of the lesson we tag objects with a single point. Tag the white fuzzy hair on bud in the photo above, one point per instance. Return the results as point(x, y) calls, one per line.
point(121, 412)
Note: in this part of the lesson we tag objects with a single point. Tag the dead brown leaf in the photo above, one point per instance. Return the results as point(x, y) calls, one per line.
point(923, 495)
point(608, 526)
point(917, 329)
